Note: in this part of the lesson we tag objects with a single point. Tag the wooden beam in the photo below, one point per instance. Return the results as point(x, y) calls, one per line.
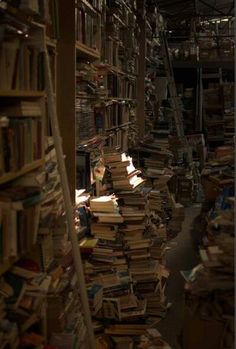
point(66, 65)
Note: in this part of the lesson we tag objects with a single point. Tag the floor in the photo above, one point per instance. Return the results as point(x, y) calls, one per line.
point(181, 256)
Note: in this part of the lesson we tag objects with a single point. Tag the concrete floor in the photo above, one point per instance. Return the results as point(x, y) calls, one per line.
point(181, 256)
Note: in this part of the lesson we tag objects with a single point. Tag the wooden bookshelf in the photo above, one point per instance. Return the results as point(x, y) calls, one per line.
point(20, 231)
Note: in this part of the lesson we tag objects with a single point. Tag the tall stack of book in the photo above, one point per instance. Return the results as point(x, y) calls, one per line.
point(145, 270)
point(164, 211)
point(108, 258)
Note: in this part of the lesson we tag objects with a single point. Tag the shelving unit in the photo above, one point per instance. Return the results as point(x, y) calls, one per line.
point(112, 81)
point(31, 202)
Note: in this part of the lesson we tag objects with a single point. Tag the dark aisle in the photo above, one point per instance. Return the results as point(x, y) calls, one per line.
point(181, 256)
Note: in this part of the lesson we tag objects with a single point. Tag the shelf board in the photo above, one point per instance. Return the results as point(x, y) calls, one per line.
point(13, 175)
point(119, 99)
point(22, 93)
point(117, 70)
point(86, 51)
point(51, 42)
point(118, 126)
point(104, 98)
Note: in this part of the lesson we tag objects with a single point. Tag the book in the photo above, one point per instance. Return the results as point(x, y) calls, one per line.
point(109, 217)
point(104, 204)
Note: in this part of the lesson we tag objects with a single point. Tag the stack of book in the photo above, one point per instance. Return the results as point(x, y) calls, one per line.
point(124, 175)
point(159, 222)
point(143, 268)
point(109, 247)
point(229, 126)
point(218, 172)
point(85, 123)
point(210, 285)
point(64, 314)
point(9, 332)
point(87, 80)
point(164, 216)
point(177, 215)
point(25, 298)
point(134, 335)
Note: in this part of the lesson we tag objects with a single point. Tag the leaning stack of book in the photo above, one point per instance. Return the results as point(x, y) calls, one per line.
point(24, 291)
point(34, 298)
point(64, 314)
point(9, 332)
point(138, 242)
point(123, 173)
point(107, 266)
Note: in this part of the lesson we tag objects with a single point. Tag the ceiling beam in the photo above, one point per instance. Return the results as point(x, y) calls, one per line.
point(212, 7)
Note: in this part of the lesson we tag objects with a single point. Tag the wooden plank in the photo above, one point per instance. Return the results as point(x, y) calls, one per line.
point(22, 93)
point(28, 168)
point(86, 51)
point(66, 64)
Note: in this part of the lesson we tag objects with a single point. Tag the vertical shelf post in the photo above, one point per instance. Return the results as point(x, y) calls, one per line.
point(141, 72)
point(66, 65)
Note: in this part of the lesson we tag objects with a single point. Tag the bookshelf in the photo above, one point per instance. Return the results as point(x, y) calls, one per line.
point(97, 76)
point(22, 116)
point(32, 222)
